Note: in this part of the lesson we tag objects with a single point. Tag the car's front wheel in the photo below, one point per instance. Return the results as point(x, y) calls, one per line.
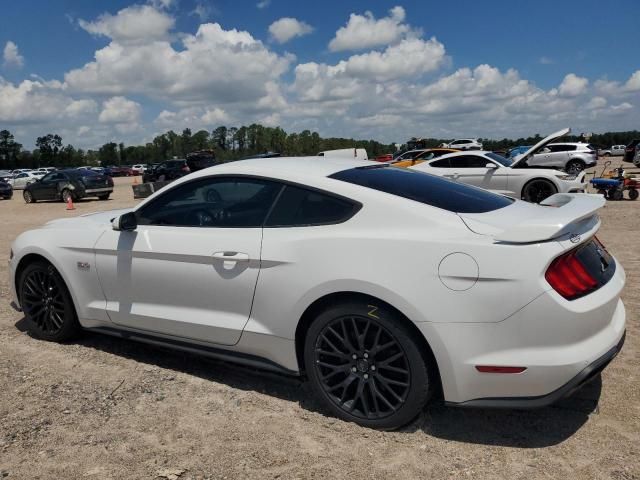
point(46, 303)
point(365, 366)
point(538, 189)
point(67, 195)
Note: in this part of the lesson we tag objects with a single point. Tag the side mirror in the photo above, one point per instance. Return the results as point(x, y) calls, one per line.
point(125, 222)
point(491, 165)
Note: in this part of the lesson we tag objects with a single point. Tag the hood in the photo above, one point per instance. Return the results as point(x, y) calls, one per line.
point(88, 220)
point(539, 146)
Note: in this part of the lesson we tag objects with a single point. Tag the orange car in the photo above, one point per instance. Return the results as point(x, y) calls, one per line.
point(427, 154)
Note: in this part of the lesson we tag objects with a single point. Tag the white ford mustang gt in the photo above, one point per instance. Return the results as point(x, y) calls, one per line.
point(383, 286)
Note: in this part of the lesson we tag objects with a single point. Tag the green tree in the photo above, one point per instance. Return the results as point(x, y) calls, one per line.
point(49, 147)
point(9, 150)
point(108, 154)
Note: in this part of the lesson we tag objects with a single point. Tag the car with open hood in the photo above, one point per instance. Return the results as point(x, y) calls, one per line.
point(502, 175)
point(285, 264)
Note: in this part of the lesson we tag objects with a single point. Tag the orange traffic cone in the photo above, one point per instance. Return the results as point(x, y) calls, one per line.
point(70, 203)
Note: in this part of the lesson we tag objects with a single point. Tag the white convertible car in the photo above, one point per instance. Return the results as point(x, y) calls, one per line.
point(383, 286)
point(501, 175)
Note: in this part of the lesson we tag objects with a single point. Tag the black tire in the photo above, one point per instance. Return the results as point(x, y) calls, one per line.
point(607, 154)
point(65, 194)
point(633, 194)
point(386, 385)
point(616, 194)
point(538, 189)
point(104, 197)
point(46, 303)
point(28, 197)
point(602, 192)
point(574, 167)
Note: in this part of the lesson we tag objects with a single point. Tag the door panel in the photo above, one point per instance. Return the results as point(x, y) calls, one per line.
point(177, 281)
point(487, 178)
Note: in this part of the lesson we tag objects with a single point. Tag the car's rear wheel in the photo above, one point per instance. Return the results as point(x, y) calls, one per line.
point(574, 167)
point(538, 189)
point(28, 197)
point(46, 303)
point(67, 195)
point(365, 365)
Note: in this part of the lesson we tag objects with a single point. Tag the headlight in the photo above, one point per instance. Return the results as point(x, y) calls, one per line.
point(566, 177)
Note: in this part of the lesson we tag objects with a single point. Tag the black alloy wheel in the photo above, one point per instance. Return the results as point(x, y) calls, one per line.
point(46, 303)
point(366, 366)
point(28, 197)
point(537, 190)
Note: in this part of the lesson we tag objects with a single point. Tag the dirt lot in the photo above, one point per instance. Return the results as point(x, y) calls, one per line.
point(105, 408)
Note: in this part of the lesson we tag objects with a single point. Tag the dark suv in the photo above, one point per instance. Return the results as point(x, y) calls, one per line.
point(69, 184)
point(201, 159)
point(167, 171)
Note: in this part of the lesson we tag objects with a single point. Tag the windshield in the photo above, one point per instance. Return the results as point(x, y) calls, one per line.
point(500, 159)
point(424, 188)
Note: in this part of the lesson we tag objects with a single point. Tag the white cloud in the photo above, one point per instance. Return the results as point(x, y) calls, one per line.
point(364, 31)
point(120, 110)
point(633, 84)
point(134, 24)
point(596, 103)
point(214, 116)
point(262, 4)
point(286, 28)
point(203, 11)
point(546, 60)
point(11, 56)
point(572, 86)
point(214, 65)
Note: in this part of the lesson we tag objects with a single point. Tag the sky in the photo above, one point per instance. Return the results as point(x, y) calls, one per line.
point(118, 70)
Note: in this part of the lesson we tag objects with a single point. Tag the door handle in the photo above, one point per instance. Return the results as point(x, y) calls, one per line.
point(231, 256)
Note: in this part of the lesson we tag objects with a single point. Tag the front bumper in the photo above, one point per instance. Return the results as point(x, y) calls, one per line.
point(566, 390)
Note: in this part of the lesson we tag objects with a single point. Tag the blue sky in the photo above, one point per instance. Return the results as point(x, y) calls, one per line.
point(400, 68)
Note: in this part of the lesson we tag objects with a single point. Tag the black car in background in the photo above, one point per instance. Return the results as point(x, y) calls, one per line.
point(69, 184)
point(630, 151)
point(201, 159)
point(6, 190)
point(167, 171)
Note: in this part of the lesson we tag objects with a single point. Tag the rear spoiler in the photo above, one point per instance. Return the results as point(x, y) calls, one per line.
point(565, 210)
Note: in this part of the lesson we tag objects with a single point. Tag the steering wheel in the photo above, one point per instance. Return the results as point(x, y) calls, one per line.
point(206, 218)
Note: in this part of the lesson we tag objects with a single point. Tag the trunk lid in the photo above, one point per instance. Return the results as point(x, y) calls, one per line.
point(520, 159)
point(95, 181)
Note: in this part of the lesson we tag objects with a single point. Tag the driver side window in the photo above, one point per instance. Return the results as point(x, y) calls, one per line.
point(230, 202)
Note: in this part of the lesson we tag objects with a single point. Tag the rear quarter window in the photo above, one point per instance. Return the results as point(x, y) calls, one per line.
point(424, 188)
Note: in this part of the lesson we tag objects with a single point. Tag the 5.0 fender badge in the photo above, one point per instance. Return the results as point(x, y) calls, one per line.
point(83, 266)
point(574, 238)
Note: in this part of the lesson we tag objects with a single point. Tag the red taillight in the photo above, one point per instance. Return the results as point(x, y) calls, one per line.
point(569, 278)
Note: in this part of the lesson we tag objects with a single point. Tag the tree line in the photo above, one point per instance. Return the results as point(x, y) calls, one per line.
point(228, 143)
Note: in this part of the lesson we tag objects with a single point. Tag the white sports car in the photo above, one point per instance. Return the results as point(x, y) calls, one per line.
point(501, 175)
point(383, 286)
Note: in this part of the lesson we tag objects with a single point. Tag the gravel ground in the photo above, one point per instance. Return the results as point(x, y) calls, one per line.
point(104, 408)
